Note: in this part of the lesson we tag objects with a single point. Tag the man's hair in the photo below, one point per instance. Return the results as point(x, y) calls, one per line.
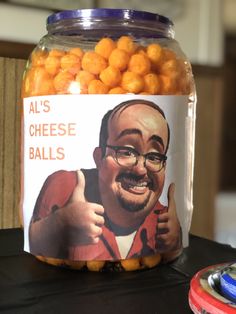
point(121, 107)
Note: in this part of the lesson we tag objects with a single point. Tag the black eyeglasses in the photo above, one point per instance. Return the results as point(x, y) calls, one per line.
point(128, 157)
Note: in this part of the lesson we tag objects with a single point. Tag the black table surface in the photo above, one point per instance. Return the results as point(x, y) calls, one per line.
point(30, 286)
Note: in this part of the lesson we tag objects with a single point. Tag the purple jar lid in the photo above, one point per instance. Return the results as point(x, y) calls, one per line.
point(109, 13)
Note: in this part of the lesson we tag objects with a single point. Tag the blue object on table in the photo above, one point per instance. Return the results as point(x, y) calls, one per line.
point(228, 282)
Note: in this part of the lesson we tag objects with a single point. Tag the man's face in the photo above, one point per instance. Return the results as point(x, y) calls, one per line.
point(129, 193)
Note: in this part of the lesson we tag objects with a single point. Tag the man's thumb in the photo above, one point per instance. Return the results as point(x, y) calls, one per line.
point(78, 193)
point(171, 199)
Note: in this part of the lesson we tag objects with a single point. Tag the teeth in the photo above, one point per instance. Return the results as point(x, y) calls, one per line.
point(137, 187)
point(132, 183)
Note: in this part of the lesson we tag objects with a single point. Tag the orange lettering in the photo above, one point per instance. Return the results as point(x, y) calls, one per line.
point(52, 129)
point(46, 153)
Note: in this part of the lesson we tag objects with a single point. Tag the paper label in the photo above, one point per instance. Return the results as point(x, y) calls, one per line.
point(91, 194)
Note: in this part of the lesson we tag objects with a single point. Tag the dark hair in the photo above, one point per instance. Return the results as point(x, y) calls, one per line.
point(111, 113)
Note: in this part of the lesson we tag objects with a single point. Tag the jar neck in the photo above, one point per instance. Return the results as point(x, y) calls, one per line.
point(110, 27)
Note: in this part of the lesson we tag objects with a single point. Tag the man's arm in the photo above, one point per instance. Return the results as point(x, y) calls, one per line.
point(169, 233)
point(47, 236)
point(46, 224)
point(75, 222)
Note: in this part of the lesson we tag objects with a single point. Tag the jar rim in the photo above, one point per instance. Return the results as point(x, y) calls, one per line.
point(126, 14)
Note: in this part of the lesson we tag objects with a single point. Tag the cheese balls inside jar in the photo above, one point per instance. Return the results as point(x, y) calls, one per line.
point(109, 119)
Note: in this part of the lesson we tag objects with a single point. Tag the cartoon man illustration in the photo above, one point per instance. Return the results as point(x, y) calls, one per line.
point(112, 212)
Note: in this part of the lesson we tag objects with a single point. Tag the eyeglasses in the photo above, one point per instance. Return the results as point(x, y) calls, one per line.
point(128, 157)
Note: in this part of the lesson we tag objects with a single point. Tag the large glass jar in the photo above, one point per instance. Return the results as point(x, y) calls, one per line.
point(107, 141)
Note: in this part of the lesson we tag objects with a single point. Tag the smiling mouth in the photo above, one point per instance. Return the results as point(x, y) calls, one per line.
point(134, 184)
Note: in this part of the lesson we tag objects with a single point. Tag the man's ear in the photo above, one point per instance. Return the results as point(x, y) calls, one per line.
point(97, 156)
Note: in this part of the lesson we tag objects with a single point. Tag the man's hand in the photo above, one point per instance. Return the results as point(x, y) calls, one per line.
point(168, 227)
point(83, 221)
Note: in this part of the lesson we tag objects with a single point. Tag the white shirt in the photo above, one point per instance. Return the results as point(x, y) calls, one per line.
point(124, 243)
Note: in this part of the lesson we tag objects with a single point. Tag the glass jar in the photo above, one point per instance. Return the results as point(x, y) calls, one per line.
point(108, 141)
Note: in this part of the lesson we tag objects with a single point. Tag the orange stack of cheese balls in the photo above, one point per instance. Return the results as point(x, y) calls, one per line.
point(113, 67)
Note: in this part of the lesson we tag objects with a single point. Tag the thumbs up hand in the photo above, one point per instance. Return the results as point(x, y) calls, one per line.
point(78, 193)
point(169, 235)
point(83, 220)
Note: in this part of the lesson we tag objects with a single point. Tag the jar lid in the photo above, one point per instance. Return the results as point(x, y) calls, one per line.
point(125, 14)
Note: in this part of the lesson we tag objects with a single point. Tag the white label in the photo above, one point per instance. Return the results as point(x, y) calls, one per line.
point(61, 133)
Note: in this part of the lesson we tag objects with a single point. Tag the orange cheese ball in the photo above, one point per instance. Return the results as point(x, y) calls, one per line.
point(117, 90)
point(110, 76)
point(97, 87)
point(168, 54)
point(151, 261)
point(132, 82)
point(62, 81)
point(74, 264)
point(52, 65)
point(77, 52)
point(155, 53)
point(95, 265)
point(46, 88)
point(168, 85)
point(170, 68)
point(38, 83)
point(141, 50)
point(84, 78)
point(56, 53)
point(38, 57)
point(93, 62)
point(131, 264)
point(71, 63)
point(152, 84)
point(104, 47)
point(127, 44)
point(119, 59)
point(139, 64)
point(50, 260)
